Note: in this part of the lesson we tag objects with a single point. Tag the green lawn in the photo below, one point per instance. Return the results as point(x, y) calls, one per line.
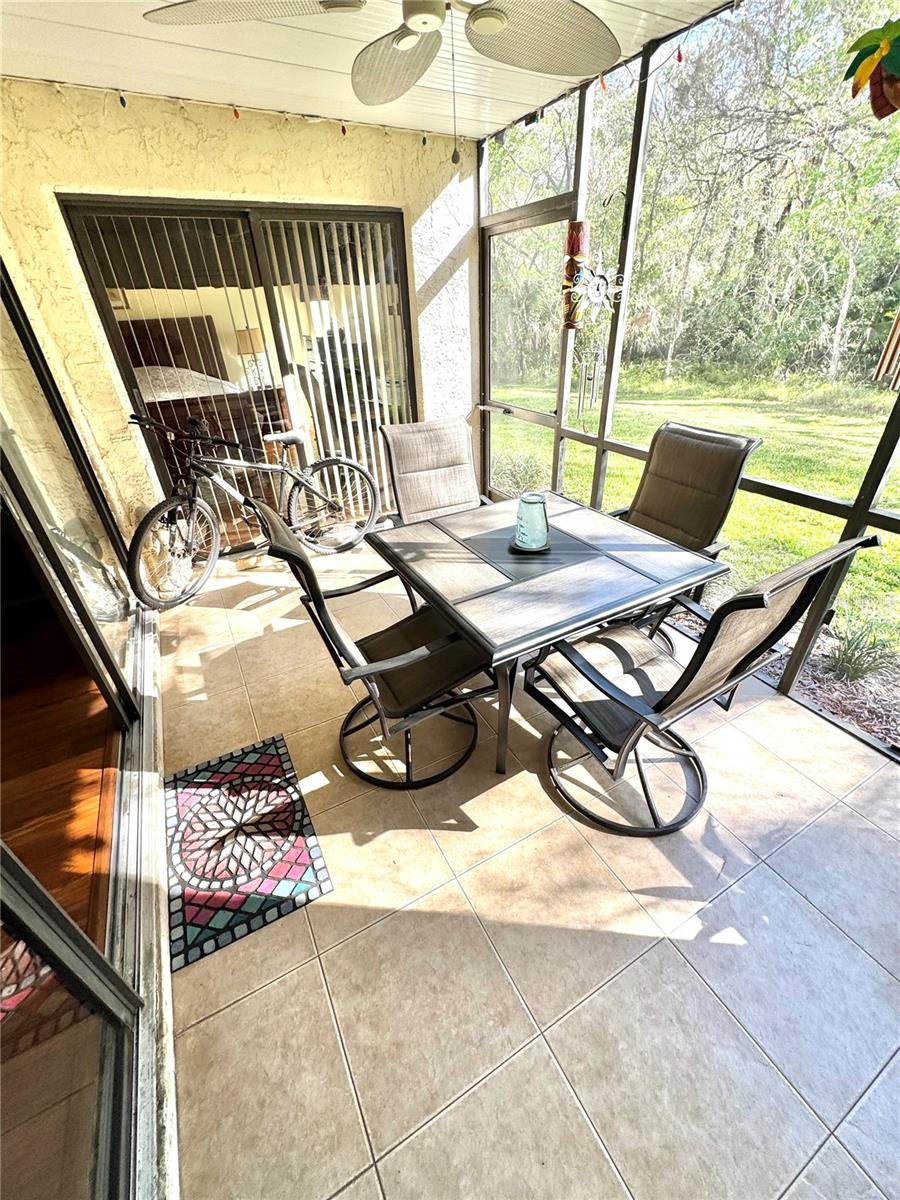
point(815, 437)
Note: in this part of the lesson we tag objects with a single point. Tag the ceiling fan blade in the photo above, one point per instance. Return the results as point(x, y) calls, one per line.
point(382, 72)
point(543, 36)
point(214, 12)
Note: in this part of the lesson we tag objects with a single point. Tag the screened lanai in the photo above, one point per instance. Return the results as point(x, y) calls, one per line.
point(451, 565)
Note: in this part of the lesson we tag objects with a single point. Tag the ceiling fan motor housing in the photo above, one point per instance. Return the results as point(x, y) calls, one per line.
point(424, 16)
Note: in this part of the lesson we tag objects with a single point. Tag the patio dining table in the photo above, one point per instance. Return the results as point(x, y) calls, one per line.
point(512, 605)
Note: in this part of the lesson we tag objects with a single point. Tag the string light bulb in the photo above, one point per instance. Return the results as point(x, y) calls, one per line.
point(236, 114)
point(123, 101)
point(679, 57)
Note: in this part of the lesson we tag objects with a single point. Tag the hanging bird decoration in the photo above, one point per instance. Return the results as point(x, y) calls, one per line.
point(585, 292)
point(876, 62)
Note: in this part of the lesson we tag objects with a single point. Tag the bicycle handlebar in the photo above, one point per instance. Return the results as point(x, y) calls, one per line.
point(195, 435)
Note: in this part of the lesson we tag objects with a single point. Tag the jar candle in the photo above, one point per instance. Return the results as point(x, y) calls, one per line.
point(532, 528)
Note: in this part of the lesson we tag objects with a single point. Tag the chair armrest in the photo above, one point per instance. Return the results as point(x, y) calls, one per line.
point(634, 704)
point(384, 665)
point(617, 512)
point(335, 593)
point(683, 600)
point(485, 500)
point(715, 549)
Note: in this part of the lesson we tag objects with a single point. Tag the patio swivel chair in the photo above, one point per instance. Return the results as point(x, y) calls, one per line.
point(688, 485)
point(432, 468)
point(619, 688)
point(412, 671)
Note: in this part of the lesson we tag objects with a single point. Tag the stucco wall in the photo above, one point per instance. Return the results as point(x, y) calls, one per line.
point(79, 140)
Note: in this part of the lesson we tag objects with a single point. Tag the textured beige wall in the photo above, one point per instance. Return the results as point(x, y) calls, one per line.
point(78, 140)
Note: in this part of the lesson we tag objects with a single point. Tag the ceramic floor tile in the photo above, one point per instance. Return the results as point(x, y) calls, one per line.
point(212, 983)
point(31, 1157)
point(674, 876)
point(823, 1011)
point(870, 1131)
point(204, 729)
point(364, 1188)
point(41, 1076)
point(192, 627)
point(755, 794)
point(520, 1133)
point(477, 812)
point(379, 856)
point(560, 921)
point(683, 1099)
point(272, 652)
point(879, 799)
point(833, 1175)
point(850, 870)
point(265, 1105)
point(197, 674)
point(831, 758)
point(306, 693)
point(324, 777)
point(425, 1010)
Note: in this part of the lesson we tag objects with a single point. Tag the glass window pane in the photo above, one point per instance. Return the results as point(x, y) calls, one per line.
point(530, 162)
point(50, 1049)
point(521, 455)
point(526, 316)
point(34, 444)
point(611, 130)
point(764, 286)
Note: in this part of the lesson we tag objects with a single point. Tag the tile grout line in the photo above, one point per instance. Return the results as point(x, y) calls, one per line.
point(344, 1055)
point(831, 921)
point(800, 770)
point(746, 1031)
point(542, 1033)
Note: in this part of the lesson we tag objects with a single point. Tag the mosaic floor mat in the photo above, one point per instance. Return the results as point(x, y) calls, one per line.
point(242, 849)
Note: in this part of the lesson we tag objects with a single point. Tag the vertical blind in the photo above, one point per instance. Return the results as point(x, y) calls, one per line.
point(258, 322)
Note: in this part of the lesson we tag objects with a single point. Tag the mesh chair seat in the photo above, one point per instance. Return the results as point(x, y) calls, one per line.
point(627, 658)
point(410, 688)
point(432, 468)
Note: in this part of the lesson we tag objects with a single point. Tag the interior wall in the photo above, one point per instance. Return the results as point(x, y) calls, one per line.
point(80, 140)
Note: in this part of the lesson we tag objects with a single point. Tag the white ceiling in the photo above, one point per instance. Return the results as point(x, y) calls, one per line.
point(300, 65)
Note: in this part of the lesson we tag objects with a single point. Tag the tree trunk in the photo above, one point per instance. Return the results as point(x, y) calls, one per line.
point(837, 338)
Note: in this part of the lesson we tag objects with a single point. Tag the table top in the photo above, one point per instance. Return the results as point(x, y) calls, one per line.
point(509, 604)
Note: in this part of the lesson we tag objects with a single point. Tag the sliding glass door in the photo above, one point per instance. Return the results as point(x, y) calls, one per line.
point(257, 320)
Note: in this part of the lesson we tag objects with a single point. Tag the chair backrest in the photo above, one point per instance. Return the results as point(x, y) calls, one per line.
point(432, 468)
point(743, 629)
point(283, 545)
point(689, 482)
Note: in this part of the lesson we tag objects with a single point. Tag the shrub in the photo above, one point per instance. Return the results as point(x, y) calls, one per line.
point(517, 473)
point(859, 650)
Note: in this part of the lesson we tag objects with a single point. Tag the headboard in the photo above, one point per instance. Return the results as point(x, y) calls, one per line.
point(190, 342)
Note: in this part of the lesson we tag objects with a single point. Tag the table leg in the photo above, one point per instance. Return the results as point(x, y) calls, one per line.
point(506, 682)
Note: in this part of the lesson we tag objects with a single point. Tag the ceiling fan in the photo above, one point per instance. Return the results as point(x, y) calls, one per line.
point(551, 37)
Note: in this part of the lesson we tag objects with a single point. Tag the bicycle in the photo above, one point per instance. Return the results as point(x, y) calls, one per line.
point(330, 505)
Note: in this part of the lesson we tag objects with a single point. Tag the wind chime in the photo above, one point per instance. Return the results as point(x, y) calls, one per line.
point(586, 293)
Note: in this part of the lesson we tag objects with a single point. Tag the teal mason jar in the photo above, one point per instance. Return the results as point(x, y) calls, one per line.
point(532, 529)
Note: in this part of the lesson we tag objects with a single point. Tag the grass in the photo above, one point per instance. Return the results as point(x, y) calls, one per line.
point(815, 437)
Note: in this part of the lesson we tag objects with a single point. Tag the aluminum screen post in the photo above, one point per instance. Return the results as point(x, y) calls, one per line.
point(633, 193)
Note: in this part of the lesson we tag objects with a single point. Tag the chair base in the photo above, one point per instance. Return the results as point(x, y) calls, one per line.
point(673, 742)
point(464, 715)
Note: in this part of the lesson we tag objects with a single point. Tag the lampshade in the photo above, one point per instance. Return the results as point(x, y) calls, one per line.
point(250, 341)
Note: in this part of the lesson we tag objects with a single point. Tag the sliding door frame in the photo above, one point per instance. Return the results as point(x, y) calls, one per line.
point(77, 207)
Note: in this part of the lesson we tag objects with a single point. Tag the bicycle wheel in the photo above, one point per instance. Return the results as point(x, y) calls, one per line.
point(173, 552)
point(336, 508)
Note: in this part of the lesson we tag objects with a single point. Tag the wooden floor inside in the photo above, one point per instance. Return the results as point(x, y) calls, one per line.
point(59, 760)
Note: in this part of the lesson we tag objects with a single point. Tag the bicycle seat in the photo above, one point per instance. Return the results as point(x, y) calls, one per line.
point(292, 437)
